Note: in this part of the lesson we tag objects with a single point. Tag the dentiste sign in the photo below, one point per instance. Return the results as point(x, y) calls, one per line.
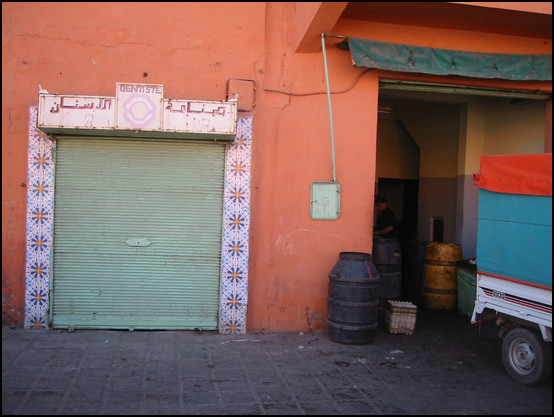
point(139, 109)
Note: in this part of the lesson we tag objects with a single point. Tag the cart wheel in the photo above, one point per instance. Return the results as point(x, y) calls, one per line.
point(526, 356)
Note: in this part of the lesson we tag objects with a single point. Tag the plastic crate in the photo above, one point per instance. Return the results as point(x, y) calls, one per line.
point(400, 317)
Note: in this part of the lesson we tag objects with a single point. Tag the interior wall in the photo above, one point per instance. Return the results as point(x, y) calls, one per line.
point(396, 146)
point(514, 127)
point(434, 128)
point(444, 133)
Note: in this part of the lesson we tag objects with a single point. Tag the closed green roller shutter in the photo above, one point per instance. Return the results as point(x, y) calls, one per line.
point(137, 233)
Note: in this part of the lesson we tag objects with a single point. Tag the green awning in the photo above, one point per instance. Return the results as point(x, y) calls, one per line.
point(425, 60)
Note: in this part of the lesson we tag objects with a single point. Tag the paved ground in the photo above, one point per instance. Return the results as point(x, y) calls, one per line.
point(447, 366)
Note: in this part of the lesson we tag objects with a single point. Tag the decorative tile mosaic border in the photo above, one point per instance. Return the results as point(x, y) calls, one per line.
point(40, 218)
point(236, 220)
point(236, 227)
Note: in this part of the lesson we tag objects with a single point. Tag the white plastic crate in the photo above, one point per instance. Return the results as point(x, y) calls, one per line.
point(400, 317)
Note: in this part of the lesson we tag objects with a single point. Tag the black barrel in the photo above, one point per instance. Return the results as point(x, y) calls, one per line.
point(387, 257)
point(353, 299)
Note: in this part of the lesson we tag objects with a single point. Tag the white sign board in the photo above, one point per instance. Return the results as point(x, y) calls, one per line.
point(139, 106)
point(137, 109)
point(76, 111)
point(199, 116)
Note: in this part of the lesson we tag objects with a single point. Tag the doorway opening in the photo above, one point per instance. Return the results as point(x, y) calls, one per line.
point(429, 144)
point(437, 229)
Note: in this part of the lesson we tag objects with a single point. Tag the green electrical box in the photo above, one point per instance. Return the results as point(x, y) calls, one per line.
point(325, 201)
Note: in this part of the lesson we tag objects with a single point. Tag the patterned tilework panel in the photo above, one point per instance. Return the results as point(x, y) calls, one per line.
point(39, 224)
point(236, 218)
point(236, 226)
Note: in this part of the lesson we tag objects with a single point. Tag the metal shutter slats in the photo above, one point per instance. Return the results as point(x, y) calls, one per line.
point(166, 193)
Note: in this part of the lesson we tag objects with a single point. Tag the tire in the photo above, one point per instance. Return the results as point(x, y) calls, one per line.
point(526, 356)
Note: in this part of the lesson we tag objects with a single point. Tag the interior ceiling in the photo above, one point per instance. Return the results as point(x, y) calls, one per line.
point(453, 16)
point(444, 93)
point(389, 99)
point(423, 96)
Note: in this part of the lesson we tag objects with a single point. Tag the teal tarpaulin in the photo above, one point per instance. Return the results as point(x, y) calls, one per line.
point(425, 60)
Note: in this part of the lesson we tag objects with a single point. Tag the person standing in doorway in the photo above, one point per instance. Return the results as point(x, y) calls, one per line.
point(384, 227)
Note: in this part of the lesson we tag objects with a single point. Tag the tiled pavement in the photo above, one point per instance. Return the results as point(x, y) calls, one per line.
point(448, 366)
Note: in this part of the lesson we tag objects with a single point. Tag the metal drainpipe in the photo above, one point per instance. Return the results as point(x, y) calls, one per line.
point(329, 102)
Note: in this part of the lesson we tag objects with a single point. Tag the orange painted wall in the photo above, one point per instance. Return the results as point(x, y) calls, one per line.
point(193, 48)
point(84, 49)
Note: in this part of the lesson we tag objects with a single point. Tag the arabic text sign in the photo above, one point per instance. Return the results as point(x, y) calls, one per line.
point(85, 112)
point(139, 106)
point(199, 116)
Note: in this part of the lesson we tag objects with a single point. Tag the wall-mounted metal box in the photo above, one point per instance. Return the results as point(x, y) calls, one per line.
point(244, 91)
point(325, 200)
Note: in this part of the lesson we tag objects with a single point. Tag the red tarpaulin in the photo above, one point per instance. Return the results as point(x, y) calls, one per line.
point(516, 174)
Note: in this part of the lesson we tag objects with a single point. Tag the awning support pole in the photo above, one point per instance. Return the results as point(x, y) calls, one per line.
point(329, 102)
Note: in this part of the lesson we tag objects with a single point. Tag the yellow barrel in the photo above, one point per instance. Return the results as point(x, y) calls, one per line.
point(440, 278)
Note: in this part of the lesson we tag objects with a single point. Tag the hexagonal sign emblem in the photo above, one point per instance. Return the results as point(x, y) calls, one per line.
point(139, 106)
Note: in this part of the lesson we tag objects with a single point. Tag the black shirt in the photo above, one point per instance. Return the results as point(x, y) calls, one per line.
point(386, 218)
